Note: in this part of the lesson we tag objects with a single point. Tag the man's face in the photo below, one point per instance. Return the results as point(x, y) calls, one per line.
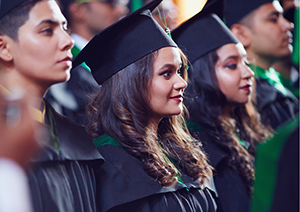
point(42, 54)
point(271, 37)
point(101, 14)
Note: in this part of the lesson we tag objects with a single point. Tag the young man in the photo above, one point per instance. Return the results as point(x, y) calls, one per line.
point(35, 53)
point(266, 36)
point(85, 19)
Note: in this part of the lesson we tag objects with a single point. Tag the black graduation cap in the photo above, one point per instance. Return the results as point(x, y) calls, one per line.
point(7, 5)
point(123, 43)
point(236, 10)
point(202, 33)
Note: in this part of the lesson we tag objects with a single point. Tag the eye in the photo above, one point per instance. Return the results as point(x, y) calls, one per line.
point(274, 17)
point(47, 30)
point(231, 66)
point(166, 74)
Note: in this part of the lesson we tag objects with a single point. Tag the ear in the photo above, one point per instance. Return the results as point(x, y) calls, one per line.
point(243, 33)
point(5, 53)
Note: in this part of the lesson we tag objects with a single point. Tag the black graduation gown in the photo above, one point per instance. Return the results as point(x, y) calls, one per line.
point(124, 186)
point(65, 180)
point(274, 107)
point(232, 192)
point(77, 90)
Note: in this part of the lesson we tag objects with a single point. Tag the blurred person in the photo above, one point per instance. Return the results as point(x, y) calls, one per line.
point(85, 19)
point(35, 53)
point(19, 143)
point(266, 36)
point(165, 14)
point(289, 67)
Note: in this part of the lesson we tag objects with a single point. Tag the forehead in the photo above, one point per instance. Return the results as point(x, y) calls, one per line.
point(269, 8)
point(168, 55)
point(45, 10)
point(231, 50)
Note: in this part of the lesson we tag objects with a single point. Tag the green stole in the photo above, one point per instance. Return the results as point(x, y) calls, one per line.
point(107, 140)
point(196, 128)
point(271, 76)
point(75, 51)
point(267, 157)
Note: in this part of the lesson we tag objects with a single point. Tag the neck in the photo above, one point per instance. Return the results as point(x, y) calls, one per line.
point(260, 61)
point(12, 82)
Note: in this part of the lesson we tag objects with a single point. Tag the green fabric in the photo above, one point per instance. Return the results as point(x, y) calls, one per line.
point(83, 1)
point(196, 128)
point(136, 4)
point(51, 125)
point(193, 126)
point(267, 157)
point(106, 139)
point(295, 55)
point(271, 76)
point(75, 51)
point(288, 84)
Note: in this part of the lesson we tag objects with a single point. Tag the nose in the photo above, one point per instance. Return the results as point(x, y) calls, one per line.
point(66, 42)
point(247, 72)
point(180, 83)
point(286, 25)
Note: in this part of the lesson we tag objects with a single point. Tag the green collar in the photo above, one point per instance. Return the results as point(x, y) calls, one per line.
point(75, 51)
point(107, 140)
point(193, 126)
point(271, 76)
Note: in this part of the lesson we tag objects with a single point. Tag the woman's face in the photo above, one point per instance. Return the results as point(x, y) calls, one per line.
point(167, 85)
point(42, 55)
point(234, 77)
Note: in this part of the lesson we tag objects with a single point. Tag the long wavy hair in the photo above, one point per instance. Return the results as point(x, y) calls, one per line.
point(121, 109)
point(206, 103)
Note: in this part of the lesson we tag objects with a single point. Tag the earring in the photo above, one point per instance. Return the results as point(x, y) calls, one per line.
point(8, 55)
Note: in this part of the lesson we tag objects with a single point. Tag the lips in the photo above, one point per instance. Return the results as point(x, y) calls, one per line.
point(246, 88)
point(178, 98)
point(66, 59)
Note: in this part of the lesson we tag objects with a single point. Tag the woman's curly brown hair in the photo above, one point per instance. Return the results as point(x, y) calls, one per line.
point(121, 109)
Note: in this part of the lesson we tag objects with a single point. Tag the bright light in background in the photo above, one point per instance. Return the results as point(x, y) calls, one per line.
point(188, 8)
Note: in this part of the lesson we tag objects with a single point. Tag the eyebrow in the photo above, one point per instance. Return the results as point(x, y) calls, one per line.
point(170, 66)
point(274, 13)
point(51, 22)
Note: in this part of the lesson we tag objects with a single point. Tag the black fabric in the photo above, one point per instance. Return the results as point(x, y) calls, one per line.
point(80, 88)
point(64, 180)
point(232, 192)
point(125, 186)
point(236, 10)
point(123, 43)
point(274, 107)
point(286, 193)
point(7, 5)
point(203, 33)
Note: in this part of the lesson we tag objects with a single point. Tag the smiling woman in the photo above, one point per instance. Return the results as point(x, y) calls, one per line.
point(136, 118)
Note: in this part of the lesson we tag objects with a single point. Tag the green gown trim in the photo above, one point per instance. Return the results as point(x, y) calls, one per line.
point(272, 76)
point(267, 157)
point(75, 51)
point(193, 126)
point(107, 140)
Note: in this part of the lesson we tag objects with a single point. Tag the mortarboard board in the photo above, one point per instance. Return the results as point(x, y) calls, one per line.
point(123, 43)
point(7, 5)
point(203, 33)
point(236, 10)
